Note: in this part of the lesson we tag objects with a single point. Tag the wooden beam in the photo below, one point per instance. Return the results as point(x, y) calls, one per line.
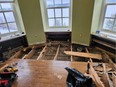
point(82, 54)
point(42, 53)
point(114, 80)
point(89, 57)
point(24, 57)
point(30, 54)
point(56, 55)
point(108, 82)
point(71, 57)
point(109, 60)
point(3, 67)
point(16, 55)
point(97, 80)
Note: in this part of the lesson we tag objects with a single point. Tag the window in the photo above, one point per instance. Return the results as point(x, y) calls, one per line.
point(109, 23)
point(58, 13)
point(7, 19)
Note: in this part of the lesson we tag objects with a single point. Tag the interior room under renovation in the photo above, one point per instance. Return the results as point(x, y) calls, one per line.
point(57, 43)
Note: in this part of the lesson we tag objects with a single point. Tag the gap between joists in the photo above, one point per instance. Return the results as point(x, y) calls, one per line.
point(56, 55)
point(42, 53)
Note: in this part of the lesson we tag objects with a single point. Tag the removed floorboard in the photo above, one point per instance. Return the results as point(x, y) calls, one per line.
point(82, 54)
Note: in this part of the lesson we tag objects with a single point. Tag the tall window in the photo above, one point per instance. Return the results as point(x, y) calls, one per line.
point(7, 19)
point(58, 13)
point(110, 16)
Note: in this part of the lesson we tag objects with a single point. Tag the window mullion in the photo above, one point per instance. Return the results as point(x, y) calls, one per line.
point(6, 22)
point(114, 24)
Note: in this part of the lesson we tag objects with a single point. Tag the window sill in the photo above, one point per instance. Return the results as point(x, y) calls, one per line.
point(58, 30)
point(107, 35)
point(9, 37)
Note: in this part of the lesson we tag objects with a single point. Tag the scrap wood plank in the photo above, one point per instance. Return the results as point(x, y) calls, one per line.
point(97, 80)
point(82, 54)
point(42, 53)
point(108, 82)
point(109, 60)
point(114, 80)
point(55, 57)
point(89, 57)
point(3, 67)
point(30, 54)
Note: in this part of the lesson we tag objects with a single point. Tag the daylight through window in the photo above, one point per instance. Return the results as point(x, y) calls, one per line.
point(58, 13)
point(7, 19)
point(110, 16)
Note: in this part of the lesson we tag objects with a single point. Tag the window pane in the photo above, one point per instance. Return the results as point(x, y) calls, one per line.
point(3, 29)
point(108, 24)
point(111, 1)
point(111, 11)
point(58, 12)
point(57, 2)
point(51, 22)
point(50, 3)
point(12, 27)
point(50, 13)
point(9, 16)
point(0, 8)
point(65, 21)
point(58, 22)
point(6, 6)
point(115, 26)
point(66, 2)
point(65, 12)
point(2, 20)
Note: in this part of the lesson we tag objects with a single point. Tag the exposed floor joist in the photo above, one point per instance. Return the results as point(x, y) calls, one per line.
point(55, 57)
point(24, 57)
point(30, 54)
point(16, 55)
point(91, 61)
point(42, 53)
point(71, 57)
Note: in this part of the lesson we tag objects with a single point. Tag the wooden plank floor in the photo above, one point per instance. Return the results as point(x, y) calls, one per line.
point(43, 73)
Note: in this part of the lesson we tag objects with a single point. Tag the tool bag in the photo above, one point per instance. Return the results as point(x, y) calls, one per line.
point(77, 79)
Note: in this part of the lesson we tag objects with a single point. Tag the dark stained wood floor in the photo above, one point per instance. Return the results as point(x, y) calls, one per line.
point(44, 73)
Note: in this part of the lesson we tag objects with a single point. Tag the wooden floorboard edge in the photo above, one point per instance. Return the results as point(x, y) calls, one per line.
point(98, 82)
point(42, 53)
point(56, 55)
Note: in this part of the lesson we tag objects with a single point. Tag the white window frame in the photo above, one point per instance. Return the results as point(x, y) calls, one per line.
point(70, 15)
point(103, 12)
point(15, 16)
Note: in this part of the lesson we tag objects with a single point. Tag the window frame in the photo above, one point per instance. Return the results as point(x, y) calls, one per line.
point(103, 13)
point(15, 17)
point(61, 7)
